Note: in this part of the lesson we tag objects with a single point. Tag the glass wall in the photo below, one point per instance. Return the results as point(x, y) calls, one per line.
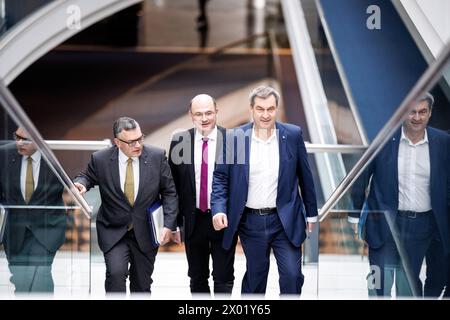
point(388, 236)
point(45, 239)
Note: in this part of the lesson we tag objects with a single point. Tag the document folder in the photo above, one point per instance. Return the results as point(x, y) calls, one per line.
point(3, 218)
point(156, 220)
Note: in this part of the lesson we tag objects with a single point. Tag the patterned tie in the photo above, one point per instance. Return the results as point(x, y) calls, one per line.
point(29, 180)
point(204, 177)
point(129, 182)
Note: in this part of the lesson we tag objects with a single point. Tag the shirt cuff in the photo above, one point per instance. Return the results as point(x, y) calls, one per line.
point(219, 213)
point(311, 219)
point(353, 220)
point(178, 230)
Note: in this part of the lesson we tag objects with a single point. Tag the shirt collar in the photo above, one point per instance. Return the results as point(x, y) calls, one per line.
point(212, 136)
point(269, 140)
point(36, 157)
point(124, 158)
point(405, 138)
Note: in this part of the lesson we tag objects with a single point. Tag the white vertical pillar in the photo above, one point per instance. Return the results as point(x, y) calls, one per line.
point(257, 4)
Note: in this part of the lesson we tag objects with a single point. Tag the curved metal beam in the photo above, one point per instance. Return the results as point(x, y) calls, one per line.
point(46, 28)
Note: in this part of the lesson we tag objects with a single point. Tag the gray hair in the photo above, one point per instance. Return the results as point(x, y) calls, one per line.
point(124, 123)
point(263, 92)
point(428, 97)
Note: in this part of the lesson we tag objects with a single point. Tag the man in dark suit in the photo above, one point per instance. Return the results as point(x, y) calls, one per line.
point(131, 177)
point(192, 157)
point(406, 215)
point(33, 233)
point(256, 193)
point(447, 283)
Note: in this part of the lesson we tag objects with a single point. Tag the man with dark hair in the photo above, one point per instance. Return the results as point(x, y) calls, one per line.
point(406, 214)
point(256, 194)
point(131, 177)
point(192, 157)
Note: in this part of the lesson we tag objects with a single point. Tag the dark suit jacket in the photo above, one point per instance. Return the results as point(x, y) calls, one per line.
point(230, 183)
point(116, 213)
point(47, 225)
point(382, 201)
point(181, 161)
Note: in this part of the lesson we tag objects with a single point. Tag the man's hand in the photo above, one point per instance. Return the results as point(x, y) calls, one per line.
point(311, 227)
point(176, 236)
point(354, 222)
point(165, 237)
point(220, 221)
point(80, 187)
point(354, 227)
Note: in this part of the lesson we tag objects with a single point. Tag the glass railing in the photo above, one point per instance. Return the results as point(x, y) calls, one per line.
point(45, 239)
point(12, 12)
point(384, 232)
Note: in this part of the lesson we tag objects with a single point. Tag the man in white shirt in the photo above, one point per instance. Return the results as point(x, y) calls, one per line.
point(33, 232)
point(405, 216)
point(192, 158)
point(256, 194)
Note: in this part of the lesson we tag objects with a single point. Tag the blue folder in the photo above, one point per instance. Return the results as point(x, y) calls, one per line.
point(155, 216)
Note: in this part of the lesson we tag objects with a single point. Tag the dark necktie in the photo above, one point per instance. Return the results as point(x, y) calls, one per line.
point(204, 177)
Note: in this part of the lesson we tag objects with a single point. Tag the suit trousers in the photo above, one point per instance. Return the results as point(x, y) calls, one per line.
point(126, 253)
point(259, 234)
point(31, 266)
point(203, 243)
point(414, 238)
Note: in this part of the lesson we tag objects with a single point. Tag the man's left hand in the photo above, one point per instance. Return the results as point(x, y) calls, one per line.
point(165, 237)
point(311, 227)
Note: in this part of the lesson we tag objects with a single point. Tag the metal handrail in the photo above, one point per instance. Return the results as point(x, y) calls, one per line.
point(428, 79)
point(334, 148)
point(78, 145)
point(74, 145)
point(16, 112)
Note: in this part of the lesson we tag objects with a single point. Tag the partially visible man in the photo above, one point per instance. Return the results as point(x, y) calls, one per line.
point(406, 214)
point(131, 177)
point(256, 194)
point(192, 158)
point(33, 232)
point(447, 283)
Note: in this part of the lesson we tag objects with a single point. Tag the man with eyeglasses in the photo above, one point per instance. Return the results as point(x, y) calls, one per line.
point(131, 177)
point(192, 158)
point(406, 214)
point(33, 232)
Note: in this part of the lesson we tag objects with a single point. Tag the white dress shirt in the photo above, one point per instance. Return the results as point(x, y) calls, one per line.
point(414, 175)
point(198, 145)
point(263, 174)
point(123, 162)
point(36, 163)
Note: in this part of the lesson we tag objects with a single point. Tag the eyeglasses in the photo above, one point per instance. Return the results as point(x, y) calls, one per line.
point(132, 143)
point(20, 138)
